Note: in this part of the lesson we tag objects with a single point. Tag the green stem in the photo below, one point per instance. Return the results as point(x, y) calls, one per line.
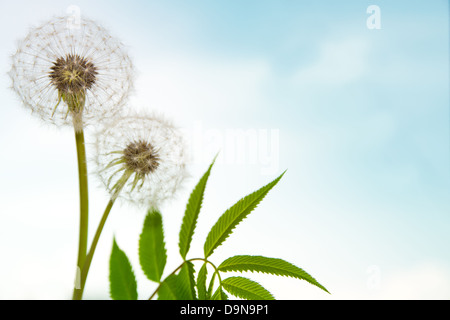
point(84, 201)
point(78, 294)
point(216, 271)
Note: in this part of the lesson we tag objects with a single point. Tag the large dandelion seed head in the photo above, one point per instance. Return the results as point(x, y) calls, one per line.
point(70, 76)
point(73, 74)
point(146, 153)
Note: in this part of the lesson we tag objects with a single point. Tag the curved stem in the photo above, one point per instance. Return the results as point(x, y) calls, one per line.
point(84, 201)
point(216, 271)
point(78, 293)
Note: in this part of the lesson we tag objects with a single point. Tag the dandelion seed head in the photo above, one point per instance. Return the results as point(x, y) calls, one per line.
point(58, 71)
point(141, 157)
point(73, 74)
point(147, 149)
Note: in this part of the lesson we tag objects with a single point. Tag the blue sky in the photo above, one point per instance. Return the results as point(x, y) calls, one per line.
point(358, 116)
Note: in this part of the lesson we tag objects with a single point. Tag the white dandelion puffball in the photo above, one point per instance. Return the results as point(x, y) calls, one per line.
point(141, 159)
point(67, 74)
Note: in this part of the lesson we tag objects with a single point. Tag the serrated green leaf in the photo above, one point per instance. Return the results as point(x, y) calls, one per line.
point(219, 294)
point(191, 214)
point(233, 216)
point(168, 289)
point(185, 285)
point(122, 281)
point(223, 295)
point(152, 251)
point(201, 282)
point(246, 289)
point(267, 265)
point(179, 286)
point(209, 293)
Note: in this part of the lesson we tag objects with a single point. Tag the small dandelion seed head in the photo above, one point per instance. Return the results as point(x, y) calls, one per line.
point(83, 72)
point(149, 151)
point(141, 157)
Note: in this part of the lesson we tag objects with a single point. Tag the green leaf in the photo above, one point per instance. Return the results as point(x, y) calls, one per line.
point(152, 251)
point(185, 285)
point(223, 295)
point(267, 265)
point(201, 282)
point(209, 293)
point(191, 214)
point(219, 294)
point(179, 286)
point(246, 289)
point(233, 216)
point(168, 288)
point(122, 281)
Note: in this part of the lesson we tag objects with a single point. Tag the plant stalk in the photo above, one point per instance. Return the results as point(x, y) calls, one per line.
point(84, 203)
point(78, 294)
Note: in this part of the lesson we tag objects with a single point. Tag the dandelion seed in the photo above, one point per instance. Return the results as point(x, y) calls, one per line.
point(141, 158)
point(83, 72)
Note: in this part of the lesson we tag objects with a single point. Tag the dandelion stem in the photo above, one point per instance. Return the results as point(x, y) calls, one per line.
point(78, 294)
point(84, 200)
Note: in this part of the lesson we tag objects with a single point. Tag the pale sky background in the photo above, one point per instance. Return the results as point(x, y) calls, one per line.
point(358, 116)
